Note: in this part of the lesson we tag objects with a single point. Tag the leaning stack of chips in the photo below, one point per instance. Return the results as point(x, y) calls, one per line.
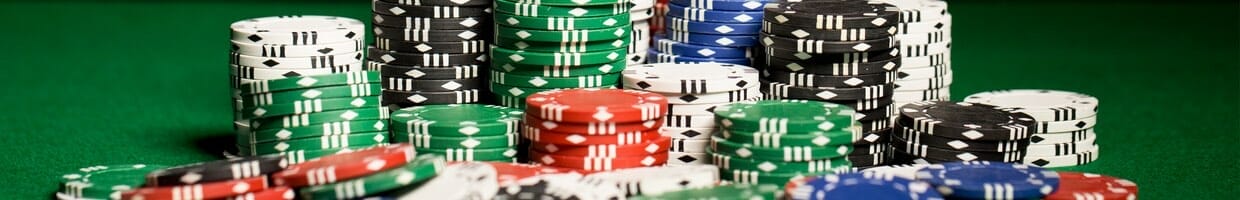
point(596, 129)
point(771, 142)
point(841, 52)
point(693, 91)
point(461, 132)
point(362, 173)
point(103, 181)
point(1064, 133)
point(300, 90)
point(941, 131)
point(430, 51)
point(640, 14)
point(237, 177)
point(925, 42)
point(556, 44)
point(709, 31)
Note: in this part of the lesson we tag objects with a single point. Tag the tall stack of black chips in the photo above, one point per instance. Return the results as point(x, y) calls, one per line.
point(431, 51)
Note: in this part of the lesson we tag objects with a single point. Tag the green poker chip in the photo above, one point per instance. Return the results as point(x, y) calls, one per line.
point(585, 35)
point(300, 156)
point(545, 10)
point(561, 23)
point(456, 120)
point(245, 136)
point(462, 154)
point(105, 181)
point(301, 120)
point(522, 92)
point(785, 116)
point(309, 106)
point(290, 96)
point(318, 143)
point(729, 191)
point(589, 81)
point(524, 45)
point(505, 55)
point(304, 82)
point(421, 168)
point(731, 162)
point(757, 177)
point(578, 2)
point(813, 139)
point(468, 142)
point(785, 153)
point(559, 71)
point(510, 101)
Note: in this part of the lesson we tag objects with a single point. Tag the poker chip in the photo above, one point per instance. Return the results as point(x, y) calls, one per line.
point(273, 193)
point(308, 119)
point(657, 57)
point(730, 162)
point(465, 154)
point(772, 140)
point(451, 47)
point(908, 171)
point(420, 23)
point(597, 105)
point(427, 73)
point(936, 153)
point(523, 8)
point(221, 170)
point(482, 179)
point(784, 153)
point(862, 185)
point(852, 68)
point(828, 46)
point(457, 120)
point(968, 121)
point(873, 137)
point(592, 128)
point(689, 121)
point(104, 181)
point(1042, 105)
point(1063, 137)
point(208, 190)
point(682, 158)
point(990, 180)
point(623, 138)
point(657, 180)
point(738, 191)
point(376, 54)
point(407, 98)
point(483, 142)
point(559, 186)
point(760, 178)
point(290, 96)
point(870, 160)
point(833, 14)
point(688, 133)
point(689, 145)
point(312, 62)
point(289, 29)
point(641, 43)
point(584, 81)
point(783, 90)
point(1064, 160)
point(1061, 148)
point(339, 167)
point(245, 136)
point(599, 163)
point(784, 116)
point(708, 15)
point(419, 169)
point(309, 106)
point(385, 8)
point(1075, 185)
point(246, 74)
point(858, 34)
point(918, 137)
point(712, 39)
point(814, 80)
point(508, 173)
point(923, 84)
point(674, 47)
point(684, 25)
point(291, 51)
point(604, 150)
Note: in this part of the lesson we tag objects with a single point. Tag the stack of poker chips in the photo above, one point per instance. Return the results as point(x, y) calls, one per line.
point(430, 51)
point(300, 90)
point(1064, 132)
point(925, 43)
point(941, 131)
point(460, 132)
point(364, 173)
point(237, 177)
point(103, 181)
point(841, 52)
point(640, 14)
point(596, 129)
point(661, 179)
point(770, 142)
point(693, 91)
point(699, 31)
point(557, 44)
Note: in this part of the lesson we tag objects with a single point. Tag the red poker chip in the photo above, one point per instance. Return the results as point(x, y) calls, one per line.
point(598, 163)
point(596, 105)
point(605, 150)
point(276, 193)
point(582, 139)
point(593, 128)
point(339, 167)
point(209, 190)
point(511, 172)
point(1076, 185)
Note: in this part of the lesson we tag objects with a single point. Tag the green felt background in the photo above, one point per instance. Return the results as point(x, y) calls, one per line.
point(87, 83)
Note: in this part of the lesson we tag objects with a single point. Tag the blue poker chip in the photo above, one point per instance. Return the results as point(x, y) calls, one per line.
point(990, 180)
point(681, 24)
point(703, 51)
point(704, 15)
point(866, 185)
point(654, 56)
point(712, 39)
point(736, 5)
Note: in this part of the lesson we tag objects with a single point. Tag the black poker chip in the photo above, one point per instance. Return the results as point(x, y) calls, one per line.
point(459, 47)
point(427, 73)
point(958, 144)
point(898, 158)
point(891, 64)
point(441, 2)
point(865, 104)
point(829, 34)
point(863, 149)
point(924, 151)
point(883, 112)
point(431, 35)
point(422, 85)
point(880, 136)
point(425, 60)
point(409, 99)
point(462, 23)
point(875, 125)
point(833, 14)
point(827, 46)
point(785, 91)
point(870, 56)
point(221, 170)
point(971, 121)
point(386, 8)
point(868, 160)
point(817, 80)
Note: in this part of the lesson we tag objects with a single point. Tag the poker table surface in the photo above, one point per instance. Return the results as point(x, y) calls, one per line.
point(120, 82)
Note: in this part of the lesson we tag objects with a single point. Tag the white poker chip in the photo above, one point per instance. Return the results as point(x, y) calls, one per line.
point(482, 179)
point(641, 5)
point(908, 171)
point(690, 78)
point(656, 180)
point(682, 158)
point(298, 30)
point(1043, 105)
point(641, 15)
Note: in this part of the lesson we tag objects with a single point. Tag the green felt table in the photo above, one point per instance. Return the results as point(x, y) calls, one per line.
point(117, 82)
